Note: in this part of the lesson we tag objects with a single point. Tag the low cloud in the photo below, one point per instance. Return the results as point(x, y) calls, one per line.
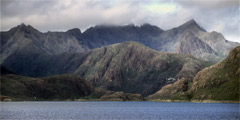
point(61, 15)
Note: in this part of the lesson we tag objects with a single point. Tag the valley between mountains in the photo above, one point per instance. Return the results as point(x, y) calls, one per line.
point(119, 63)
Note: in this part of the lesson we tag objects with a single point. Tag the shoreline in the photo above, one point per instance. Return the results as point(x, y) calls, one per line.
point(153, 100)
point(195, 101)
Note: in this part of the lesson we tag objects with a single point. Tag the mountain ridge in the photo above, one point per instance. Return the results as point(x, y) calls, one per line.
point(213, 46)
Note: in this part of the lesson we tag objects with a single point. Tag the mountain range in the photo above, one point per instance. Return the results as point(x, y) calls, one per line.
point(115, 60)
point(188, 38)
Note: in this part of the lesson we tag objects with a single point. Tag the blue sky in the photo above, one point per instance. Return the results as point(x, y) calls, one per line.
point(61, 15)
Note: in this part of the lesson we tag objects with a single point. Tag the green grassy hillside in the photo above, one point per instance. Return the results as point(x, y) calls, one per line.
point(218, 82)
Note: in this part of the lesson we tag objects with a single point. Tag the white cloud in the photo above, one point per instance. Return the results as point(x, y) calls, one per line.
point(161, 8)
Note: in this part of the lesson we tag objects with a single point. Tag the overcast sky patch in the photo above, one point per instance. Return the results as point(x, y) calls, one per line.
point(61, 15)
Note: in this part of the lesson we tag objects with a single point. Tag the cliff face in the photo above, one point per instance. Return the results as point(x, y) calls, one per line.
point(217, 82)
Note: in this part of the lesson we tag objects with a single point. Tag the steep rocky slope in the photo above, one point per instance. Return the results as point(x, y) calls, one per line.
point(129, 67)
point(190, 38)
point(217, 82)
point(27, 40)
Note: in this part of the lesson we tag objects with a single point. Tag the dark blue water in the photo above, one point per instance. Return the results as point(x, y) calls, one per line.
point(118, 110)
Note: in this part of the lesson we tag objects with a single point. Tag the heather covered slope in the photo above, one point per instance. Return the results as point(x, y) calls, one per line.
point(129, 67)
point(217, 82)
point(220, 81)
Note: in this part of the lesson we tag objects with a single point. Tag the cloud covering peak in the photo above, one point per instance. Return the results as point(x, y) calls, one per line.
point(61, 15)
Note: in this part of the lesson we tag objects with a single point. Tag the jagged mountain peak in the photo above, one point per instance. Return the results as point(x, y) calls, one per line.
point(22, 25)
point(151, 27)
point(74, 31)
point(191, 24)
point(106, 26)
point(192, 21)
point(146, 24)
point(25, 28)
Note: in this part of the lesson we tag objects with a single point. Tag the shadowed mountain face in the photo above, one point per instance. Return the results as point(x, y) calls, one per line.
point(129, 67)
point(217, 82)
point(188, 38)
point(59, 87)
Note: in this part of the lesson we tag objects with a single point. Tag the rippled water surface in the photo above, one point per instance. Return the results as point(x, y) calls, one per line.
point(118, 110)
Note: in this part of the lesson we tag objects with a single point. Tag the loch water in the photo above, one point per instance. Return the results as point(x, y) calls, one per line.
point(118, 111)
